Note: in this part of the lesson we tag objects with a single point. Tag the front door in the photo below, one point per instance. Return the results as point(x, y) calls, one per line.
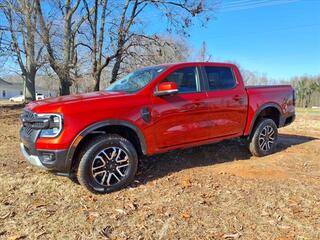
point(183, 117)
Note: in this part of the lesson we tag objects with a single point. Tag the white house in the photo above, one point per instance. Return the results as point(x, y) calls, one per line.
point(8, 90)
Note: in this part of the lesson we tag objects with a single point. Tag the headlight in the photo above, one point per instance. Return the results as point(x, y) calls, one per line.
point(54, 126)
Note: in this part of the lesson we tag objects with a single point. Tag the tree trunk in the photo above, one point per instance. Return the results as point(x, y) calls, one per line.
point(97, 78)
point(65, 83)
point(61, 69)
point(115, 69)
point(65, 88)
point(29, 91)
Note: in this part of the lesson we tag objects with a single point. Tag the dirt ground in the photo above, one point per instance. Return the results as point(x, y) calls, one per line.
point(217, 191)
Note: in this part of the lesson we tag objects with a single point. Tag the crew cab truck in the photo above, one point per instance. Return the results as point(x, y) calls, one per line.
point(99, 136)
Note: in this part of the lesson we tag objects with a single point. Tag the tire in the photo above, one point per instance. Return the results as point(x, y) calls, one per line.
point(264, 139)
point(109, 163)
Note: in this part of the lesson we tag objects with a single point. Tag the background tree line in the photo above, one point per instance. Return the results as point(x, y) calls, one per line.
point(307, 88)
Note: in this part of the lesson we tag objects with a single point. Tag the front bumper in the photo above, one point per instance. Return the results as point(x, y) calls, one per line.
point(32, 159)
point(52, 160)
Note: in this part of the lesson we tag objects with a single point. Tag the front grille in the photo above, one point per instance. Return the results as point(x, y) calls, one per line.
point(29, 116)
point(28, 130)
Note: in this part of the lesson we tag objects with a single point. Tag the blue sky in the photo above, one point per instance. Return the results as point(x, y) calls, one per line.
point(281, 40)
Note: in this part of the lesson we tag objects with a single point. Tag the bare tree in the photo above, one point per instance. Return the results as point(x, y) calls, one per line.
point(116, 25)
point(149, 51)
point(307, 90)
point(97, 39)
point(204, 56)
point(21, 26)
point(61, 62)
point(179, 15)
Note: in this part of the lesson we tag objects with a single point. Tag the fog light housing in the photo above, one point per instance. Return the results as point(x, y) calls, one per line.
point(47, 157)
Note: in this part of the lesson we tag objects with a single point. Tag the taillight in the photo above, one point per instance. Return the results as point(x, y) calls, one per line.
point(294, 97)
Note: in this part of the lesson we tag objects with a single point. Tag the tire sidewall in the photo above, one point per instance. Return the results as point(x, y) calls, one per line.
point(255, 140)
point(85, 165)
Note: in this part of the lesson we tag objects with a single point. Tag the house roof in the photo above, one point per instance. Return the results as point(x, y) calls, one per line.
point(7, 85)
point(15, 85)
point(3, 82)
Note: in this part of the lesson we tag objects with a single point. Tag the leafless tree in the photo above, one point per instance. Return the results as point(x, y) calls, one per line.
point(121, 24)
point(20, 38)
point(97, 24)
point(204, 56)
point(108, 30)
point(150, 52)
point(62, 62)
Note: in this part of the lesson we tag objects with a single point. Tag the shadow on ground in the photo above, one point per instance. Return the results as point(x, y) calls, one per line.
point(12, 106)
point(161, 165)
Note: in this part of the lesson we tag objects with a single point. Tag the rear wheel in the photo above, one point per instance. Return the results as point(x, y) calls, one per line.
point(108, 164)
point(264, 139)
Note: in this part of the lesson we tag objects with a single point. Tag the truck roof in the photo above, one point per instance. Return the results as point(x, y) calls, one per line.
point(195, 63)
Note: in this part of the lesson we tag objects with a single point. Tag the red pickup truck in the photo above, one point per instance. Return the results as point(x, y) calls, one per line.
point(98, 137)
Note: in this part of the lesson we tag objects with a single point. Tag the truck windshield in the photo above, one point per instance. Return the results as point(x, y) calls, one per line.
point(137, 80)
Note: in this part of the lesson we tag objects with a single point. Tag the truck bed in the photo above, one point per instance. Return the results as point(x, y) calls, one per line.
point(281, 96)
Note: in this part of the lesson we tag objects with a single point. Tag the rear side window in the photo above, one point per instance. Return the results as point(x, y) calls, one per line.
point(220, 78)
point(185, 78)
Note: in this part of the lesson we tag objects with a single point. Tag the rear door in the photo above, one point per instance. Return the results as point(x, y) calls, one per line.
point(227, 100)
point(183, 117)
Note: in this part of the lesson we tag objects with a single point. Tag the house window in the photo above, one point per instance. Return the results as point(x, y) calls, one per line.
point(21, 92)
point(3, 93)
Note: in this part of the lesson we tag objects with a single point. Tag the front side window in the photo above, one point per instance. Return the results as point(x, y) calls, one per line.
point(220, 78)
point(137, 80)
point(185, 78)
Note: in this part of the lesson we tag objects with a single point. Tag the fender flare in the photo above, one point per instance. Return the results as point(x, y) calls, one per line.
point(98, 125)
point(260, 109)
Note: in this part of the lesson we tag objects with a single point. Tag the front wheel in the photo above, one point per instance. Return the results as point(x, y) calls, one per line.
point(264, 139)
point(108, 164)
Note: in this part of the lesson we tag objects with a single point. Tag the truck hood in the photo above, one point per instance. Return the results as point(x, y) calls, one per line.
point(56, 103)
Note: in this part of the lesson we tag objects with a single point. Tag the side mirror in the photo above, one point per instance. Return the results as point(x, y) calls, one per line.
point(166, 88)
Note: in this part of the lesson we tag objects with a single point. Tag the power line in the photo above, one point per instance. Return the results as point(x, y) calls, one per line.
point(251, 4)
point(267, 31)
point(248, 2)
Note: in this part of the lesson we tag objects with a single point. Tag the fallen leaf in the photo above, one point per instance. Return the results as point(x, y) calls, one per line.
point(185, 183)
point(17, 237)
point(106, 232)
point(4, 216)
point(232, 236)
point(186, 216)
point(119, 210)
point(92, 216)
point(133, 206)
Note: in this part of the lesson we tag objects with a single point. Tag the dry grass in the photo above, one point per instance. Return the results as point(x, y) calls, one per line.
point(217, 191)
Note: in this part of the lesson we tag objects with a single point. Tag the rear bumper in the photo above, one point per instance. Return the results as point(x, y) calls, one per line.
point(287, 120)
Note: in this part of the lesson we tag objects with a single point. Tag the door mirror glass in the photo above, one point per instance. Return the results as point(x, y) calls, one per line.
point(166, 88)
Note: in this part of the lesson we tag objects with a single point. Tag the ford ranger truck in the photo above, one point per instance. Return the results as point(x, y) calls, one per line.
point(98, 137)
